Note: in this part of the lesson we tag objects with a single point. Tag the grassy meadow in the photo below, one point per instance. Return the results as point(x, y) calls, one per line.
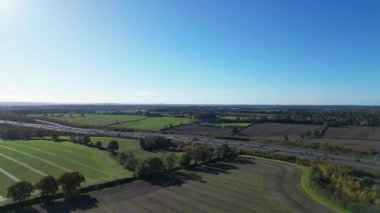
point(32, 160)
point(117, 121)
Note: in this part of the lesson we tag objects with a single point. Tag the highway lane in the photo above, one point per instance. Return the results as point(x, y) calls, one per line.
point(293, 151)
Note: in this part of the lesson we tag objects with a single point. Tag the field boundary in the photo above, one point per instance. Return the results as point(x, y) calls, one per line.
point(305, 184)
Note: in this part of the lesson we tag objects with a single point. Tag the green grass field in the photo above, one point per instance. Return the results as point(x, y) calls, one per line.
point(94, 119)
point(31, 160)
point(154, 123)
point(119, 121)
point(234, 118)
point(132, 145)
point(231, 124)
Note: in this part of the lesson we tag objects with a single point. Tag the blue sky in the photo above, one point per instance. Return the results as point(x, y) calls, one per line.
point(185, 52)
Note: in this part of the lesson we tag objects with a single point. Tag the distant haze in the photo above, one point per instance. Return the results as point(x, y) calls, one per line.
point(190, 52)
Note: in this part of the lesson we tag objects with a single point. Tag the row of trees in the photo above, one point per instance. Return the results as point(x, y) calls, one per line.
point(21, 133)
point(149, 166)
point(198, 153)
point(70, 182)
point(113, 145)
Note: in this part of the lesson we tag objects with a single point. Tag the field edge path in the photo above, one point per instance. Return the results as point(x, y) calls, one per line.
point(305, 184)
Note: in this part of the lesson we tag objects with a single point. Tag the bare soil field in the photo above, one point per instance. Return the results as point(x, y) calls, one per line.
point(201, 130)
point(358, 144)
point(249, 185)
point(277, 130)
point(353, 132)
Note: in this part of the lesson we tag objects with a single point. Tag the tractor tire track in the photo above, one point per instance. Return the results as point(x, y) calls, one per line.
point(9, 175)
point(24, 165)
point(64, 158)
point(38, 158)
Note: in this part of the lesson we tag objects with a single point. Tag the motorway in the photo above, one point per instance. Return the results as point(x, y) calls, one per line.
point(286, 150)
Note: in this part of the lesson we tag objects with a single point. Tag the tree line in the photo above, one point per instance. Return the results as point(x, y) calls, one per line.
point(194, 154)
point(22, 133)
point(69, 182)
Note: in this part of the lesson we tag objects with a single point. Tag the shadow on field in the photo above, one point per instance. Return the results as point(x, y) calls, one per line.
point(27, 210)
point(81, 202)
point(243, 161)
point(176, 179)
point(215, 168)
point(181, 177)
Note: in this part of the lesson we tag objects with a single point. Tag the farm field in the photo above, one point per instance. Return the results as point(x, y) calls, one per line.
point(245, 186)
point(201, 130)
point(234, 118)
point(277, 130)
point(359, 144)
point(119, 121)
point(231, 124)
point(34, 159)
point(92, 119)
point(154, 123)
point(132, 145)
point(353, 132)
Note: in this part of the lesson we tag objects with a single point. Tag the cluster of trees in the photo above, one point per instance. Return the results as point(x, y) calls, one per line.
point(149, 166)
point(197, 153)
point(152, 143)
point(200, 153)
point(205, 115)
point(15, 116)
point(350, 186)
point(336, 117)
point(21, 133)
point(81, 139)
point(128, 160)
point(70, 183)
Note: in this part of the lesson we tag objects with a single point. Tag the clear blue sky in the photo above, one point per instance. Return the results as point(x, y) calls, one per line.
point(194, 51)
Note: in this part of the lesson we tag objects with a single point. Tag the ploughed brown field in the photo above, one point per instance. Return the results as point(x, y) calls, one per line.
point(277, 130)
point(353, 132)
point(356, 144)
point(248, 185)
point(196, 129)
